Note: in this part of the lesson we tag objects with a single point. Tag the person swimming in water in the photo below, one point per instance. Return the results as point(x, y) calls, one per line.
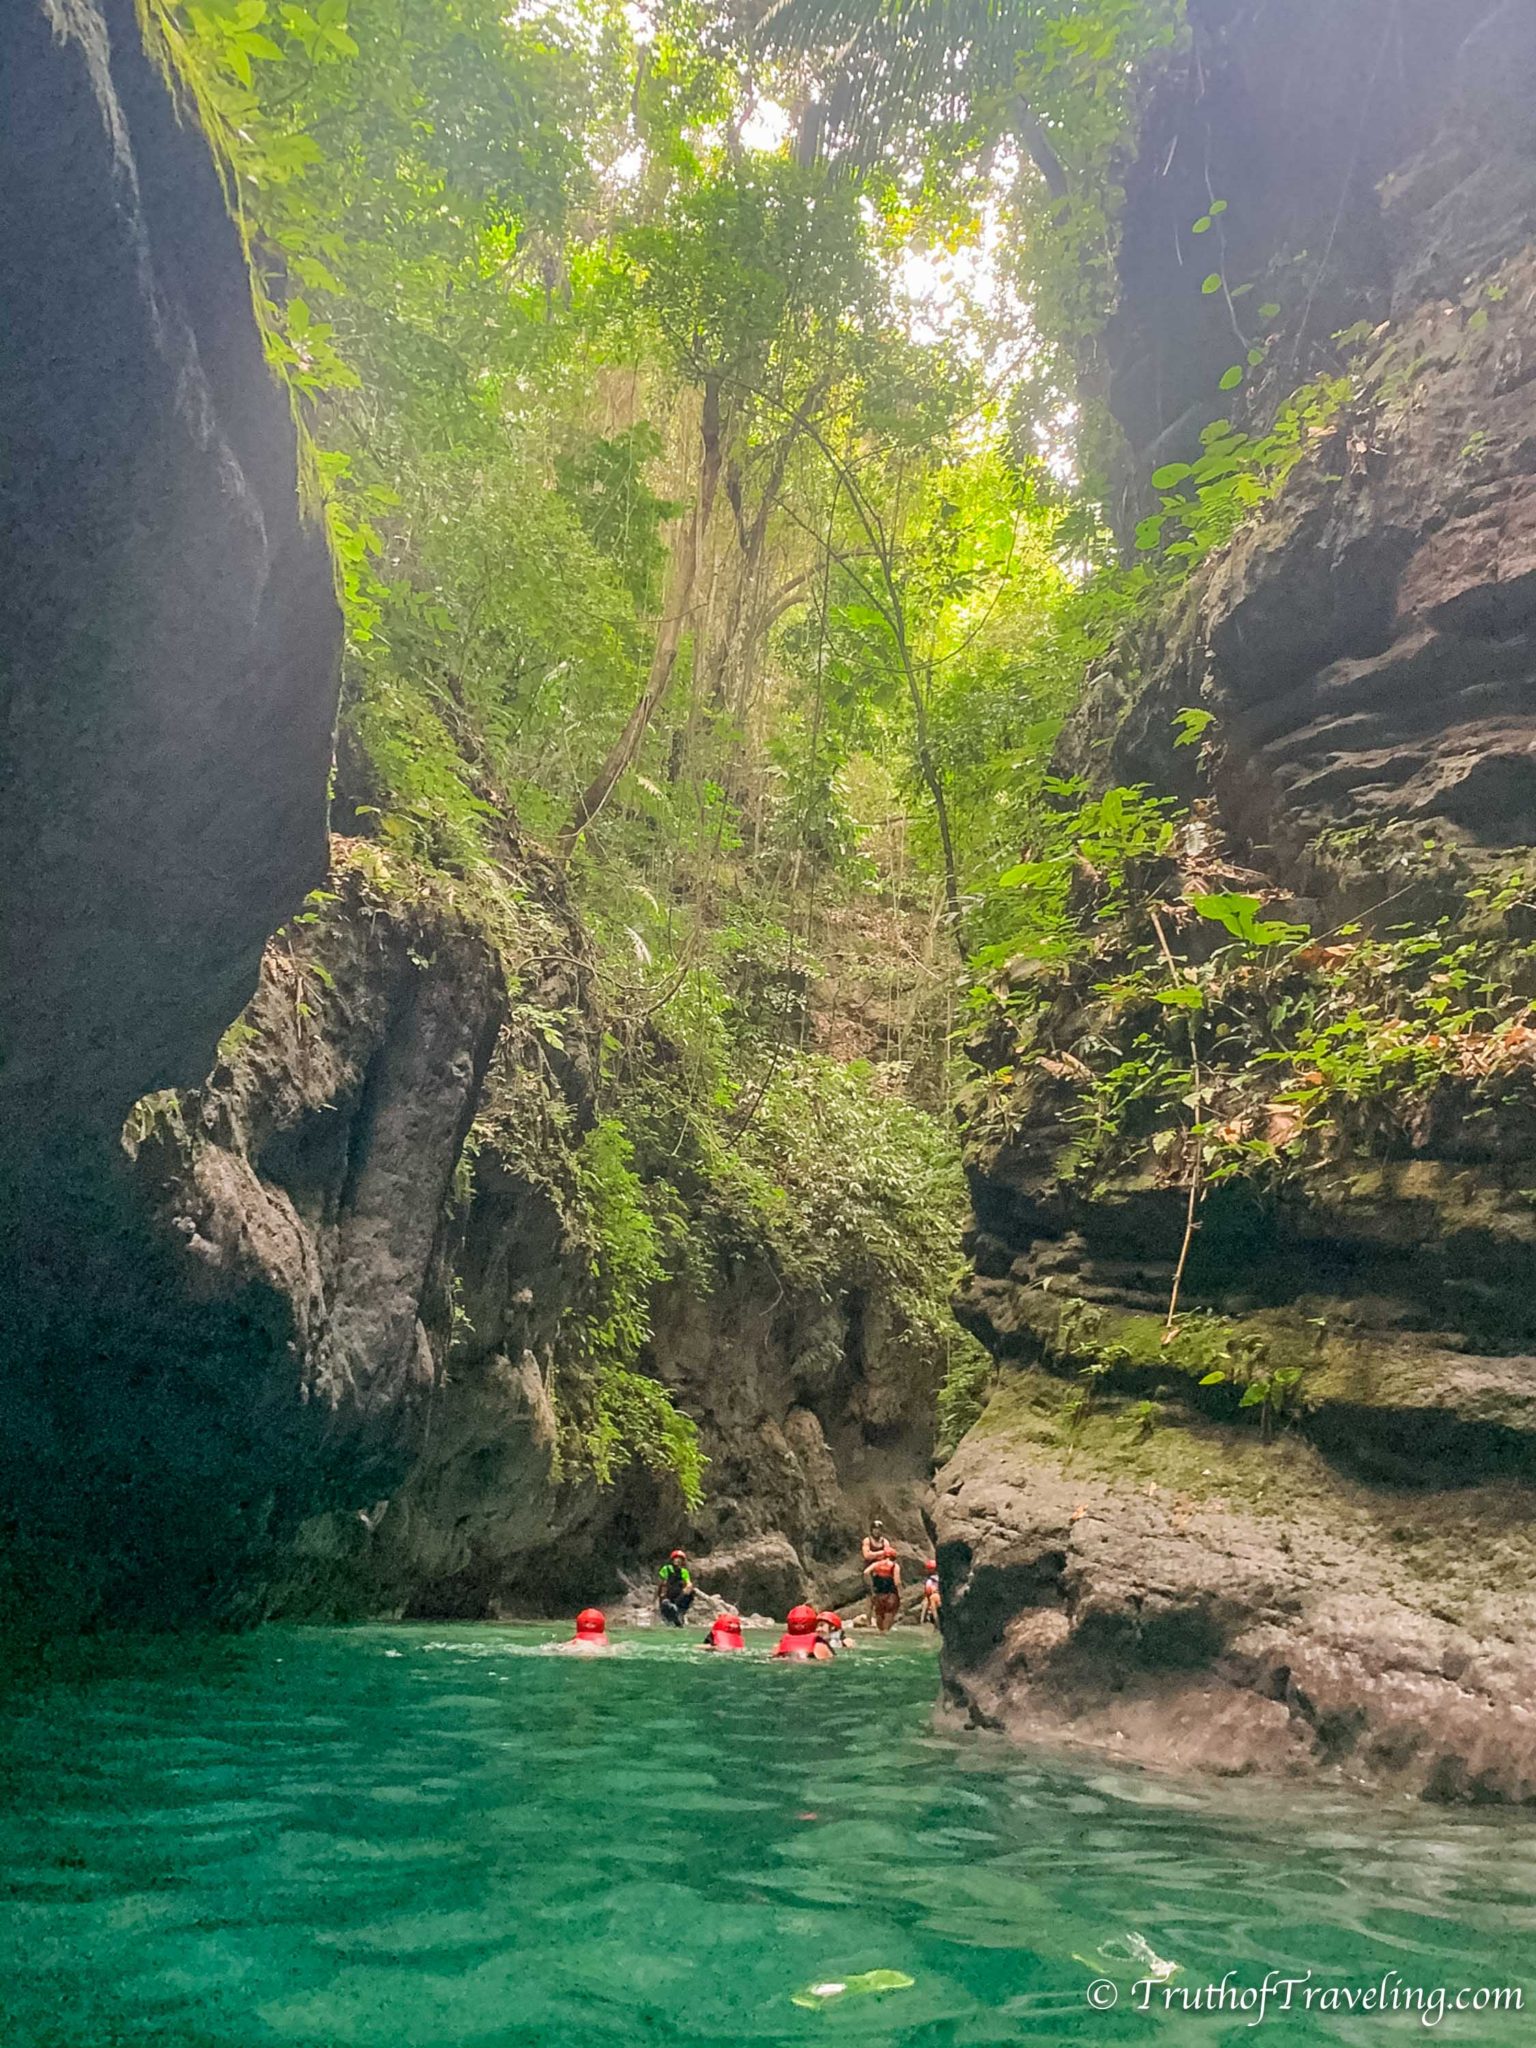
point(837, 1636)
point(674, 1589)
point(724, 1632)
point(932, 1600)
point(799, 1640)
point(591, 1633)
point(883, 1577)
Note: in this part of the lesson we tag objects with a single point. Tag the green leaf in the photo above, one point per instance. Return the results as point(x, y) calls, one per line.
point(1255, 357)
point(1218, 206)
point(1027, 872)
point(1214, 1379)
point(1256, 1394)
point(815, 1996)
point(1269, 311)
point(1191, 723)
point(1212, 284)
point(1202, 226)
point(1150, 532)
point(1170, 474)
point(1240, 916)
point(1232, 378)
point(311, 271)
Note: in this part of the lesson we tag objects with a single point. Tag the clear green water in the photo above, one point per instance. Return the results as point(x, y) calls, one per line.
point(397, 1837)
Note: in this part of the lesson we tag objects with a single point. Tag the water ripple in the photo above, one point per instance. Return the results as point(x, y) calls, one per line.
point(413, 1838)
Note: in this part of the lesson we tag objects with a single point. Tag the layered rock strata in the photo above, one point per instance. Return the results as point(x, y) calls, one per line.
point(1151, 1543)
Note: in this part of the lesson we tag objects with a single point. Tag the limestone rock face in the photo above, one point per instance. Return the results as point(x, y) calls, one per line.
point(394, 1310)
point(349, 1318)
point(169, 660)
point(809, 1426)
point(1291, 1622)
point(169, 631)
point(812, 1417)
point(1127, 1560)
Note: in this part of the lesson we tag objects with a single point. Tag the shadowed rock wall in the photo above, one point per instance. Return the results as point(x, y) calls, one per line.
point(169, 642)
point(169, 632)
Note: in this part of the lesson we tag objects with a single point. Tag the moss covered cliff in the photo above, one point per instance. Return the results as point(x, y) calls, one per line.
point(1249, 1154)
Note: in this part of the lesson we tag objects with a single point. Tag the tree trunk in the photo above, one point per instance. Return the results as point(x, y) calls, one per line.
point(682, 575)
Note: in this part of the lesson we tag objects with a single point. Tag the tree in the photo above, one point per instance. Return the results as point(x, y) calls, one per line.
point(891, 75)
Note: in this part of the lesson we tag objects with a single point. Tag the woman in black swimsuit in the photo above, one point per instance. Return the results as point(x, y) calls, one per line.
point(884, 1576)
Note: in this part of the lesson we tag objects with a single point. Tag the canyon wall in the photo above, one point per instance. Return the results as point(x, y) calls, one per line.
point(169, 649)
point(169, 631)
point(1284, 1521)
point(378, 1181)
point(287, 1244)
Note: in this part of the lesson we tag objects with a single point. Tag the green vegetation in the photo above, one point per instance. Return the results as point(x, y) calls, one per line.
point(694, 410)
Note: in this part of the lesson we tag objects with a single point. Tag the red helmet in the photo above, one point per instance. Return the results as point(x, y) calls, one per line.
point(932, 1565)
point(591, 1622)
point(801, 1621)
point(730, 1623)
point(833, 1620)
point(677, 1557)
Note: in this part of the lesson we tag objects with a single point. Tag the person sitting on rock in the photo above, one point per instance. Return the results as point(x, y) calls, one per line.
point(674, 1589)
point(800, 1642)
point(931, 1596)
point(883, 1577)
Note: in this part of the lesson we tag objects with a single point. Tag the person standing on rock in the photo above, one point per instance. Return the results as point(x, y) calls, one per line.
point(875, 1544)
point(674, 1589)
point(932, 1599)
point(883, 1577)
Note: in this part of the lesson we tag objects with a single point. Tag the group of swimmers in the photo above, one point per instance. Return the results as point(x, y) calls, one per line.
point(809, 1635)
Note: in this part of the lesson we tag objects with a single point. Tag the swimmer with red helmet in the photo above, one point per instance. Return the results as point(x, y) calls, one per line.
point(836, 1635)
point(800, 1641)
point(724, 1632)
point(932, 1600)
point(591, 1633)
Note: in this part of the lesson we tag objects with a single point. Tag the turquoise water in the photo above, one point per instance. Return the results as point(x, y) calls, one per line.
point(432, 1838)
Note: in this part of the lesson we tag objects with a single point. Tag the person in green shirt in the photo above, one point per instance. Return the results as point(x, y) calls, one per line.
point(674, 1589)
